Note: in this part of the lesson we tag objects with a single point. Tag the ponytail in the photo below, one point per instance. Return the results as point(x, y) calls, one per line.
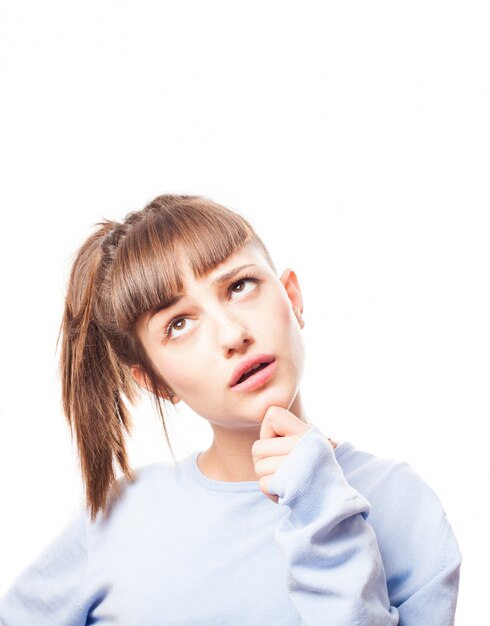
point(92, 378)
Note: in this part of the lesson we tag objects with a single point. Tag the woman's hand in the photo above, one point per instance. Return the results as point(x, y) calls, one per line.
point(280, 432)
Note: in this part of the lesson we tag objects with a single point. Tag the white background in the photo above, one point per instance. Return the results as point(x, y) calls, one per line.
point(355, 138)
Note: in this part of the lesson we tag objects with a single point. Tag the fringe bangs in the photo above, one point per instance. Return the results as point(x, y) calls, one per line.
point(148, 269)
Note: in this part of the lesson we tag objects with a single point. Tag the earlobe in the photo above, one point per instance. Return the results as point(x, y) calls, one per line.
point(140, 380)
point(138, 377)
point(297, 312)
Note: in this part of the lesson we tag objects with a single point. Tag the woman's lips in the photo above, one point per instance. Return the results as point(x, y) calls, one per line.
point(256, 380)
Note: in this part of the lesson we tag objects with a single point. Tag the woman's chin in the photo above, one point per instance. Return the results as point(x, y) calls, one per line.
point(275, 397)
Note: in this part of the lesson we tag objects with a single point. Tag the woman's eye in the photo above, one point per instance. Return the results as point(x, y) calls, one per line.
point(245, 279)
point(176, 324)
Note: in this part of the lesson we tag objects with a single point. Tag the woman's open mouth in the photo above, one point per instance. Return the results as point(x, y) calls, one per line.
point(255, 378)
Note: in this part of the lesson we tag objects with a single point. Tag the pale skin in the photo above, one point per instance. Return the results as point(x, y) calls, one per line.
point(212, 328)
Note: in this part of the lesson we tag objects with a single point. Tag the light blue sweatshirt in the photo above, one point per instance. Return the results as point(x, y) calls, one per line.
point(353, 540)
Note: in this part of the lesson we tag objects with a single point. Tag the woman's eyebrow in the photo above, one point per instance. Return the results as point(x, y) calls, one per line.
point(177, 297)
point(230, 274)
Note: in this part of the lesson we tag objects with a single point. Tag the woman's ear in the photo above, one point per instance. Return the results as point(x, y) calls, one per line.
point(291, 285)
point(140, 380)
point(139, 377)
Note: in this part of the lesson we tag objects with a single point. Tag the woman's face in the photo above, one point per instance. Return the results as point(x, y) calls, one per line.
point(214, 326)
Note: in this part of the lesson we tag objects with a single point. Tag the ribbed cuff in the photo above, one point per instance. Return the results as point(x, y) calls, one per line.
point(310, 479)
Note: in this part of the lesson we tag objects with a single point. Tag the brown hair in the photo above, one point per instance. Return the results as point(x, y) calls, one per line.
point(122, 271)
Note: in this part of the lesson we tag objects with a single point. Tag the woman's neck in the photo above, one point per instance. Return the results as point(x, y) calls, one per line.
point(229, 458)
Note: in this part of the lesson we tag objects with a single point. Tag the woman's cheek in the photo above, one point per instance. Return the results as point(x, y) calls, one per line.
point(185, 378)
point(178, 375)
point(280, 308)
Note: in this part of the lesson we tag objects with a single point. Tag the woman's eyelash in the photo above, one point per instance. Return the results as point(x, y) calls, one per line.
point(251, 277)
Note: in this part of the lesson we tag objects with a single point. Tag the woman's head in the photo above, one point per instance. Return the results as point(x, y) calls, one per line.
point(121, 278)
point(197, 342)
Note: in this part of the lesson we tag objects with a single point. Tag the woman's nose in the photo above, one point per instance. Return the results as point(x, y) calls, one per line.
point(233, 333)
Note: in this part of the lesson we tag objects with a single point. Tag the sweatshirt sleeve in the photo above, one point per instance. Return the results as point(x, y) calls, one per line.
point(335, 574)
point(47, 592)
point(424, 573)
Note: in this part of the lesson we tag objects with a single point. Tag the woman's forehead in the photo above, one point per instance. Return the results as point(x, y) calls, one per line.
point(248, 255)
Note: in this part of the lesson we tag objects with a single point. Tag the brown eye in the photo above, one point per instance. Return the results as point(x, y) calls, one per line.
point(239, 283)
point(174, 325)
point(244, 279)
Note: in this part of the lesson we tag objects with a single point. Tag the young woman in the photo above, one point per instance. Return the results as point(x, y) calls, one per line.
point(273, 524)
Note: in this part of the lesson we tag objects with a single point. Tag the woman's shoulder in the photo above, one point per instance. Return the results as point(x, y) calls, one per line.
point(413, 533)
point(390, 485)
point(388, 479)
point(130, 494)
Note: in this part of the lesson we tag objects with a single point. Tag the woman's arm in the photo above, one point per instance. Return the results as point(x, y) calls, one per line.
point(47, 593)
point(335, 573)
